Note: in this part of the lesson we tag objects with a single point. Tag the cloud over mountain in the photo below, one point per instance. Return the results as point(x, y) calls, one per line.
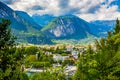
point(86, 9)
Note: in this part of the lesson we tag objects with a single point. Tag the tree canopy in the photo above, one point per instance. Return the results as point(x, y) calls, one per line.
point(10, 61)
point(104, 62)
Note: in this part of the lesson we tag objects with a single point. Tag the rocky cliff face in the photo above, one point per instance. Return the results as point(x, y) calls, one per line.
point(67, 27)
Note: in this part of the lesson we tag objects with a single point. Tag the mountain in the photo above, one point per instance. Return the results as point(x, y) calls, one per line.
point(72, 29)
point(28, 19)
point(19, 22)
point(67, 27)
point(42, 20)
point(23, 26)
point(101, 27)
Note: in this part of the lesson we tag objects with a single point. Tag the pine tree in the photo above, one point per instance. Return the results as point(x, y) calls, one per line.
point(9, 64)
point(6, 39)
point(117, 27)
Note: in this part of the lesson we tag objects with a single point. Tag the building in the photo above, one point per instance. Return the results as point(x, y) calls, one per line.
point(57, 57)
point(75, 54)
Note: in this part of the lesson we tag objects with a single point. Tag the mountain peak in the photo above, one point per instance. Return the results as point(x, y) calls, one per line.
point(68, 26)
point(22, 24)
point(42, 20)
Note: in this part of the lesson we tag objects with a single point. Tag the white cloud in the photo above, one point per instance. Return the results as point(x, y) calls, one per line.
point(110, 1)
point(103, 13)
point(86, 9)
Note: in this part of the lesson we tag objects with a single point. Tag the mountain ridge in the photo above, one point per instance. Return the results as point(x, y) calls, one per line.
point(42, 20)
point(63, 27)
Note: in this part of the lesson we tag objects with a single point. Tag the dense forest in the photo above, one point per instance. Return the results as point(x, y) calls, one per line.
point(101, 62)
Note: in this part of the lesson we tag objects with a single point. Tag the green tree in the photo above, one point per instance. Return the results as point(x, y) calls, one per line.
point(6, 39)
point(49, 75)
point(31, 50)
point(104, 63)
point(10, 65)
point(117, 27)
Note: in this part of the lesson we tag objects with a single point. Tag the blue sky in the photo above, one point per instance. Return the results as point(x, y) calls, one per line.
point(86, 9)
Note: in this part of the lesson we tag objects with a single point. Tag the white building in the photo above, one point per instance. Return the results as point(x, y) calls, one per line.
point(75, 54)
point(69, 49)
point(57, 57)
point(48, 53)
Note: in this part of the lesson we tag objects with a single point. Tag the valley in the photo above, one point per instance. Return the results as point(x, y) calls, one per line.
point(49, 29)
point(59, 40)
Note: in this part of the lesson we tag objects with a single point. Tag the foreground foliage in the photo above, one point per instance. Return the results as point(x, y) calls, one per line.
point(104, 62)
point(10, 59)
point(100, 63)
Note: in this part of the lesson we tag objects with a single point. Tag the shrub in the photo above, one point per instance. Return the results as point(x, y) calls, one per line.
point(40, 64)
